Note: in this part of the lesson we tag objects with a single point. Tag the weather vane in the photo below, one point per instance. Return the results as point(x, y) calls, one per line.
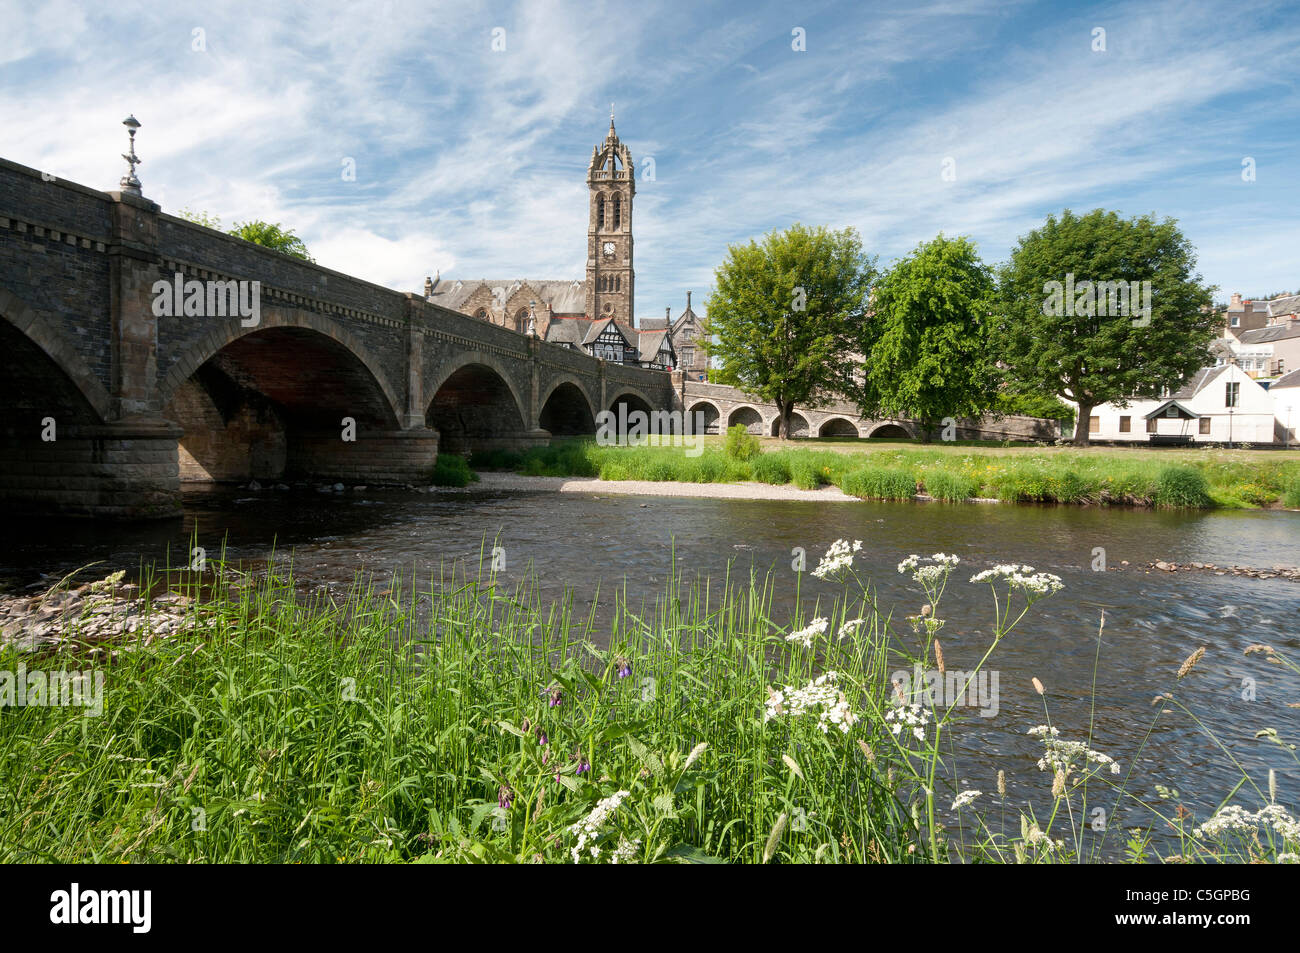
point(129, 182)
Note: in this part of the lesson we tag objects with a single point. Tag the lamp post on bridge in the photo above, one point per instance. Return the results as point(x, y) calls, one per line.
point(129, 182)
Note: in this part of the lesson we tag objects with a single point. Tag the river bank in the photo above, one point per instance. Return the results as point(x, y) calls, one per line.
point(1200, 479)
point(276, 728)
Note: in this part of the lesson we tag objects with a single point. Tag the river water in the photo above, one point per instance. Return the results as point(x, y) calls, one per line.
point(1154, 620)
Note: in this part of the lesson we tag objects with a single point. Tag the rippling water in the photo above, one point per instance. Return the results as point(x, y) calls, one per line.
point(1154, 620)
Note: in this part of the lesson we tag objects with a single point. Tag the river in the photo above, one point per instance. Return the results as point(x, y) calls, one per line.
point(1154, 620)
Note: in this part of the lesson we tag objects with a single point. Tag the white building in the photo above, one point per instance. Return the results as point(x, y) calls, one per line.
point(1285, 393)
point(1217, 405)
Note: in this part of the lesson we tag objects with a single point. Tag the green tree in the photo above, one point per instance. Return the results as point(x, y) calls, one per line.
point(1064, 326)
point(273, 236)
point(927, 337)
point(258, 232)
point(786, 312)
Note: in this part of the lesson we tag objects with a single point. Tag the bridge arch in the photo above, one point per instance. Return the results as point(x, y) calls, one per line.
point(838, 427)
point(219, 338)
point(799, 426)
point(474, 404)
point(634, 399)
point(892, 430)
point(83, 397)
point(748, 415)
point(566, 408)
point(712, 415)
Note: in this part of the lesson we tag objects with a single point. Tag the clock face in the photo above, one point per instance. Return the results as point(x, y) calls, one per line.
point(608, 249)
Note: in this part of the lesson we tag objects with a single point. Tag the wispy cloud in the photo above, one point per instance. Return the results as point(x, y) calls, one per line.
point(470, 160)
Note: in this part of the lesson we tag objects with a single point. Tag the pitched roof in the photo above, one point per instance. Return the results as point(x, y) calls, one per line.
point(1272, 332)
point(1197, 382)
point(564, 297)
point(567, 330)
point(1285, 304)
point(1286, 380)
point(649, 343)
point(1160, 411)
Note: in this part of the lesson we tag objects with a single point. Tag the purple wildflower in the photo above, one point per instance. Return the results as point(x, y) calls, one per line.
point(624, 668)
point(505, 797)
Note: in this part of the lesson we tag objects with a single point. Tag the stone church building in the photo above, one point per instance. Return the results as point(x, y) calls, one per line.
point(595, 314)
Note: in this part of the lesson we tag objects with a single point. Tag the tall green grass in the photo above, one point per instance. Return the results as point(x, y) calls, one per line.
point(1122, 477)
point(465, 721)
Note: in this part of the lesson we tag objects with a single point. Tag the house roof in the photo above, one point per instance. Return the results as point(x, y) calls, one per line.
point(1272, 332)
point(650, 342)
point(1160, 411)
point(1286, 380)
point(1286, 304)
point(564, 297)
point(1197, 381)
point(567, 330)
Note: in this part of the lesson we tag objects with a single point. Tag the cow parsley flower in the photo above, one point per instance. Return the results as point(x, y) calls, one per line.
point(1234, 819)
point(590, 827)
point(929, 576)
point(838, 560)
point(913, 717)
point(850, 628)
point(821, 697)
point(1062, 755)
point(964, 798)
point(1022, 577)
point(806, 635)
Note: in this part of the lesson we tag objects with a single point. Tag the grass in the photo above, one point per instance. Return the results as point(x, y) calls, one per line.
point(1201, 478)
point(479, 724)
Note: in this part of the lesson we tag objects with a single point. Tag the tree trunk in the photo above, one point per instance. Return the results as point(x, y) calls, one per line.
point(1081, 425)
point(783, 410)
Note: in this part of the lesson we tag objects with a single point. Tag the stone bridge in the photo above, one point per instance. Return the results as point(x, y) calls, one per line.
point(109, 406)
point(725, 407)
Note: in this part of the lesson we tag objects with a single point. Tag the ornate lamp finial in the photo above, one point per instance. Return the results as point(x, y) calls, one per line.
point(129, 182)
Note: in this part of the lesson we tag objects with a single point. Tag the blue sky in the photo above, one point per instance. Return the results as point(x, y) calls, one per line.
point(471, 161)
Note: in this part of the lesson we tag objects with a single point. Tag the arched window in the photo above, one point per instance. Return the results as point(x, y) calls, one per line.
point(521, 319)
point(618, 210)
point(481, 314)
point(600, 211)
point(618, 282)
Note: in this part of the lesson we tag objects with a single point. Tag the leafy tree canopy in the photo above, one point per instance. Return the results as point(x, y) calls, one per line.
point(1062, 331)
point(785, 313)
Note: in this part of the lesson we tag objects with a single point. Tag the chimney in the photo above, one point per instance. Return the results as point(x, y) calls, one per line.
point(428, 287)
point(1236, 297)
point(688, 301)
point(668, 317)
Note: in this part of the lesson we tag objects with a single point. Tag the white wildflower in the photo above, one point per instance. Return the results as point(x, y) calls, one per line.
point(912, 717)
point(589, 828)
point(838, 559)
point(850, 628)
point(1022, 577)
point(1234, 819)
point(1062, 755)
point(806, 635)
point(820, 697)
point(964, 798)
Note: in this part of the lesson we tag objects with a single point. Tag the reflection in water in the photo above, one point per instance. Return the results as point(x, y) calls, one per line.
point(1153, 620)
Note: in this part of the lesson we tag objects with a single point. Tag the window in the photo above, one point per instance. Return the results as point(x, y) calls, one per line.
point(1094, 424)
point(1171, 411)
point(1126, 425)
point(618, 210)
point(1230, 394)
point(1151, 424)
point(1205, 425)
point(1236, 321)
point(600, 211)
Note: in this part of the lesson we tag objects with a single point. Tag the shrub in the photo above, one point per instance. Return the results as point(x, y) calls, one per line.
point(741, 444)
point(879, 483)
point(772, 468)
point(805, 473)
point(1291, 495)
point(951, 487)
point(1181, 486)
point(452, 470)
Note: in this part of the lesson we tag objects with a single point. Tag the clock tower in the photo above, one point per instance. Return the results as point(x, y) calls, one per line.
point(611, 184)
